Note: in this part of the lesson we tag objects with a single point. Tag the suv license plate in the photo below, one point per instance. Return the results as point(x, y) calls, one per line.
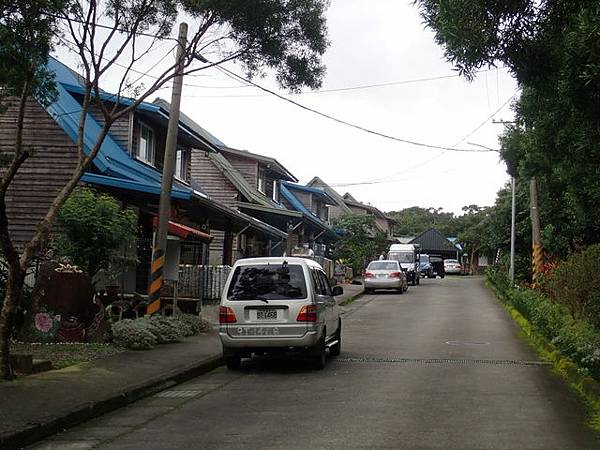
point(269, 314)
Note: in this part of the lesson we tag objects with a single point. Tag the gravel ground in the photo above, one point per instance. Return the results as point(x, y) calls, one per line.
point(64, 355)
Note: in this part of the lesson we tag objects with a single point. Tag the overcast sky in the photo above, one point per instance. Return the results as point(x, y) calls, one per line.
point(376, 41)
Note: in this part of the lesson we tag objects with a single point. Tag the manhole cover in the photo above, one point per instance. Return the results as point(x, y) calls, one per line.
point(177, 394)
point(467, 343)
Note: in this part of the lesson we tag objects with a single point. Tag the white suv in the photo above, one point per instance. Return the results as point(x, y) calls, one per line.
point(279, 305)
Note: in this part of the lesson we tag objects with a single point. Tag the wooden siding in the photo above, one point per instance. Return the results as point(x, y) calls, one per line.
point(42, 175)
point(247, 167)
point(119, 130)
point(211, 179)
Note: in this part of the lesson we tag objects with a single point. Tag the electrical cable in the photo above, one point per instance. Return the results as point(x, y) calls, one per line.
point(349, 124)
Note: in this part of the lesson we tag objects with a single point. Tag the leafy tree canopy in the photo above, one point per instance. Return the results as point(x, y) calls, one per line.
point(553, 50)
point(93, 230)
point(362, 240)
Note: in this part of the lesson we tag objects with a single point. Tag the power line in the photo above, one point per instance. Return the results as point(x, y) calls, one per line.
point(349, 124)
point(108, 27)
point(342, 89)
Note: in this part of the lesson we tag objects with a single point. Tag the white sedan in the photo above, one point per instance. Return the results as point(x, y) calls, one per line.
point(452, 266)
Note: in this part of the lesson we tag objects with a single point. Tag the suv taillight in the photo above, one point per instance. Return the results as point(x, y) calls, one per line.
point(395, 274)
point(308, 313)
point(368, 275)
point(226, 315)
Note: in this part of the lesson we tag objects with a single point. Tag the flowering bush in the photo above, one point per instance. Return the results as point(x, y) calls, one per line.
point(133, 334)
point(144, 333)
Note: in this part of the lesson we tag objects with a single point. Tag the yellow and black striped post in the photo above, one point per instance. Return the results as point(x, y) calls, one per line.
point(537, 262)
point(156, 280)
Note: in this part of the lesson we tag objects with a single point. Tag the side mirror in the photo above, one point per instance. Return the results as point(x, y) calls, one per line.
point(337, 290)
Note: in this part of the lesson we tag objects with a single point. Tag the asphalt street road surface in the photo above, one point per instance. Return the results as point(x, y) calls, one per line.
point(439, 367)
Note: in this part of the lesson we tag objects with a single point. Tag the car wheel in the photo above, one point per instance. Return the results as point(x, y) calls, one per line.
point(319, 353)
point(233, 361)
point(336, 349)
point(368, 291)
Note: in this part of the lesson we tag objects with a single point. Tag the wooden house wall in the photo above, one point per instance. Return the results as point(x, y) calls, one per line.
point(247, 167)
point(211, 179)
point(119, 130)
point(45, 172)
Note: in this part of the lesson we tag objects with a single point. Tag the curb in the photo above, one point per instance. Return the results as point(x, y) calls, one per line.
point(35, 432)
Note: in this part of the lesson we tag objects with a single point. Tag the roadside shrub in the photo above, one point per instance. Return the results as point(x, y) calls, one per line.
point(195, 323)
point(133, 334)
point(166, 329)
point(575, 283)
point(573, 338)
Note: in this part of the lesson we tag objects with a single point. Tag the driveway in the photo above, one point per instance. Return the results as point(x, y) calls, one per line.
point(441, 366)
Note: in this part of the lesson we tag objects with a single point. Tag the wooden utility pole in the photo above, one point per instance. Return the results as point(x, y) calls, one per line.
point(538, 250)
point(164, 209)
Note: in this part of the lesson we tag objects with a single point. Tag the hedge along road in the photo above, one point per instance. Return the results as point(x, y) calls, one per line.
point(439, 367)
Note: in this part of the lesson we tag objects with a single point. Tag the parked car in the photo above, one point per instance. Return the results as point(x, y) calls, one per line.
point(437, 264)
point(274, 305)
point(425, 266)
point(385, 274)
point(452, 266)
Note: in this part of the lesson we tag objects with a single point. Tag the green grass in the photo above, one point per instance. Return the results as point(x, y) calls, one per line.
point(585, 387)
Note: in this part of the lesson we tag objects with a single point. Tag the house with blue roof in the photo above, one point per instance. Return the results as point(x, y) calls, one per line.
point(262, 187)
point(128, 166)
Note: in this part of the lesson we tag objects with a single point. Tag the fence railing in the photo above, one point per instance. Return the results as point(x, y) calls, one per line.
point(202, 282)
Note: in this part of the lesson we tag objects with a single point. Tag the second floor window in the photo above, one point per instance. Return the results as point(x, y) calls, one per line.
point(145, 150)
point(181, 164)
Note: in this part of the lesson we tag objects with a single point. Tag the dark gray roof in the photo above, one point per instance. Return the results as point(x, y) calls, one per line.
point(272, 163)
point(339, 201)
point(433, 241)
point(189, 122)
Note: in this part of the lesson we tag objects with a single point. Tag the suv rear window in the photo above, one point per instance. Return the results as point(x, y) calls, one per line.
point(267, 282)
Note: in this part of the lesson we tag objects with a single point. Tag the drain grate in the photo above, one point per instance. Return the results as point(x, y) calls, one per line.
point(493, 362)
point(177, 394)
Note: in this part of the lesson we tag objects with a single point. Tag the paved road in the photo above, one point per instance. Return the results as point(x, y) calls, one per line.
point(439, 367)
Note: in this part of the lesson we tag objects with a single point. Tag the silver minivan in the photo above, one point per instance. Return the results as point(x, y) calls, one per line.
point(279, 305)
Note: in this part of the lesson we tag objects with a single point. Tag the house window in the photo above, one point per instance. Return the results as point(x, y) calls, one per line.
point(145, 150)
point(181, 164)
point(275, 191)
point(262, 182)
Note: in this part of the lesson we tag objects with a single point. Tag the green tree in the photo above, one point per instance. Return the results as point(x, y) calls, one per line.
point(94, 229)
point(362, 240)
point(109, 39)
point(553, 51)
point(415, 220)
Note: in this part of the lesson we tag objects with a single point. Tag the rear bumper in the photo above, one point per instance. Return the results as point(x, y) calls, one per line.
point(383, 284)
point(309, 339)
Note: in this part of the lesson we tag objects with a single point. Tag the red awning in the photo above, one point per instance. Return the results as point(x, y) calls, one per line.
point(183, 231)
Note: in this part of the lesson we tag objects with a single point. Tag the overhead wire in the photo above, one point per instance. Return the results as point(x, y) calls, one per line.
point(350, 124)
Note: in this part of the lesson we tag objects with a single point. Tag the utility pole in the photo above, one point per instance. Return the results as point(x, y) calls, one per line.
point(511, 272)
point(538, 250)
point(164, 209)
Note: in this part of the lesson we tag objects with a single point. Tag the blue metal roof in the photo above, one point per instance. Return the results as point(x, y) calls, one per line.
point(111, 160)
point(320, 192)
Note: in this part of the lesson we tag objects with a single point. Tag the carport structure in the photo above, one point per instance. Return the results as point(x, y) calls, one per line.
point(433, 242)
